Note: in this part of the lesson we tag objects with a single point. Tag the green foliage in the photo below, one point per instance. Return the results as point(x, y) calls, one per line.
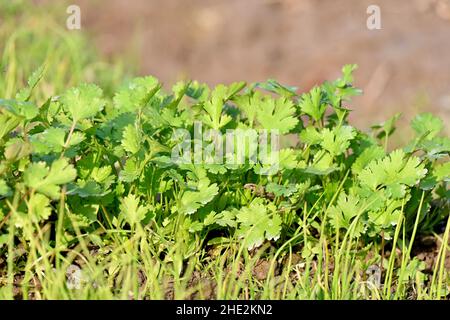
point(83, 102)
point(115, 152)
point(96, 167)
point(393, 171)
point(276, 114)
point(312, 104)
point(201, 194)
point(48, 180)
point(427, 125)
point(258, 222)
point(34, 41)
point(132, 210)
point(87, 181)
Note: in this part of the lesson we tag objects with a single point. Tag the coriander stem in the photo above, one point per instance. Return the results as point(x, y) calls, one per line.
point(66, 144)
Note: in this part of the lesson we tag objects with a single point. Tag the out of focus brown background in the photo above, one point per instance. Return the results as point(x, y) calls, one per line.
point(404, 67)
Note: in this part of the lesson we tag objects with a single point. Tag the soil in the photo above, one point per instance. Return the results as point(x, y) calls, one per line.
point(203, 286)
point(403, 67)
point(426, 249)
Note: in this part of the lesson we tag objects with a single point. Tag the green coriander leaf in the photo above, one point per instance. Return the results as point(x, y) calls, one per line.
point(191, 201)
point(442, 172)
point(278, 114)
point(39, 207)
point(227, 218)
point(274, 86)
point(26, 110)
point(198, 91)
point(393, 169)
point(136, 94)
point(51, 140)
point(4, 189)
point(369, 154)
point(214, 106)
point(132, 210)
point(193, 226)
point(347, 75)
point(16, 149)
point(312, 105)
point(322, 164)
point(210, 218)
point(257, 223)
point(25, 93)
point(427, 125)
point(85, 189)
point(130, 172)
point(281, 190)
point(310, 136)
point(248, 103)
point(344, 212)
point(132, 139)
point(47, 181)
point(435, 148)
point(337, 141)
point(83, 102)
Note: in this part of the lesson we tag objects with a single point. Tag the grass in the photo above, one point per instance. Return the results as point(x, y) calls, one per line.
point(130, 266)
point(32, 36)
point(115, 271)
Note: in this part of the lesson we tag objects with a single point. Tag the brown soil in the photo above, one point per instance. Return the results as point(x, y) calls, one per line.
point(427, 249)
point(403, 67)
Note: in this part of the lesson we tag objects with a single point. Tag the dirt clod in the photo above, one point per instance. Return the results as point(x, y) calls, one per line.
point(261, 269)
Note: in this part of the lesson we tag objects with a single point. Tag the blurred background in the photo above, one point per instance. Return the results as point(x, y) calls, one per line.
point(404, 67)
